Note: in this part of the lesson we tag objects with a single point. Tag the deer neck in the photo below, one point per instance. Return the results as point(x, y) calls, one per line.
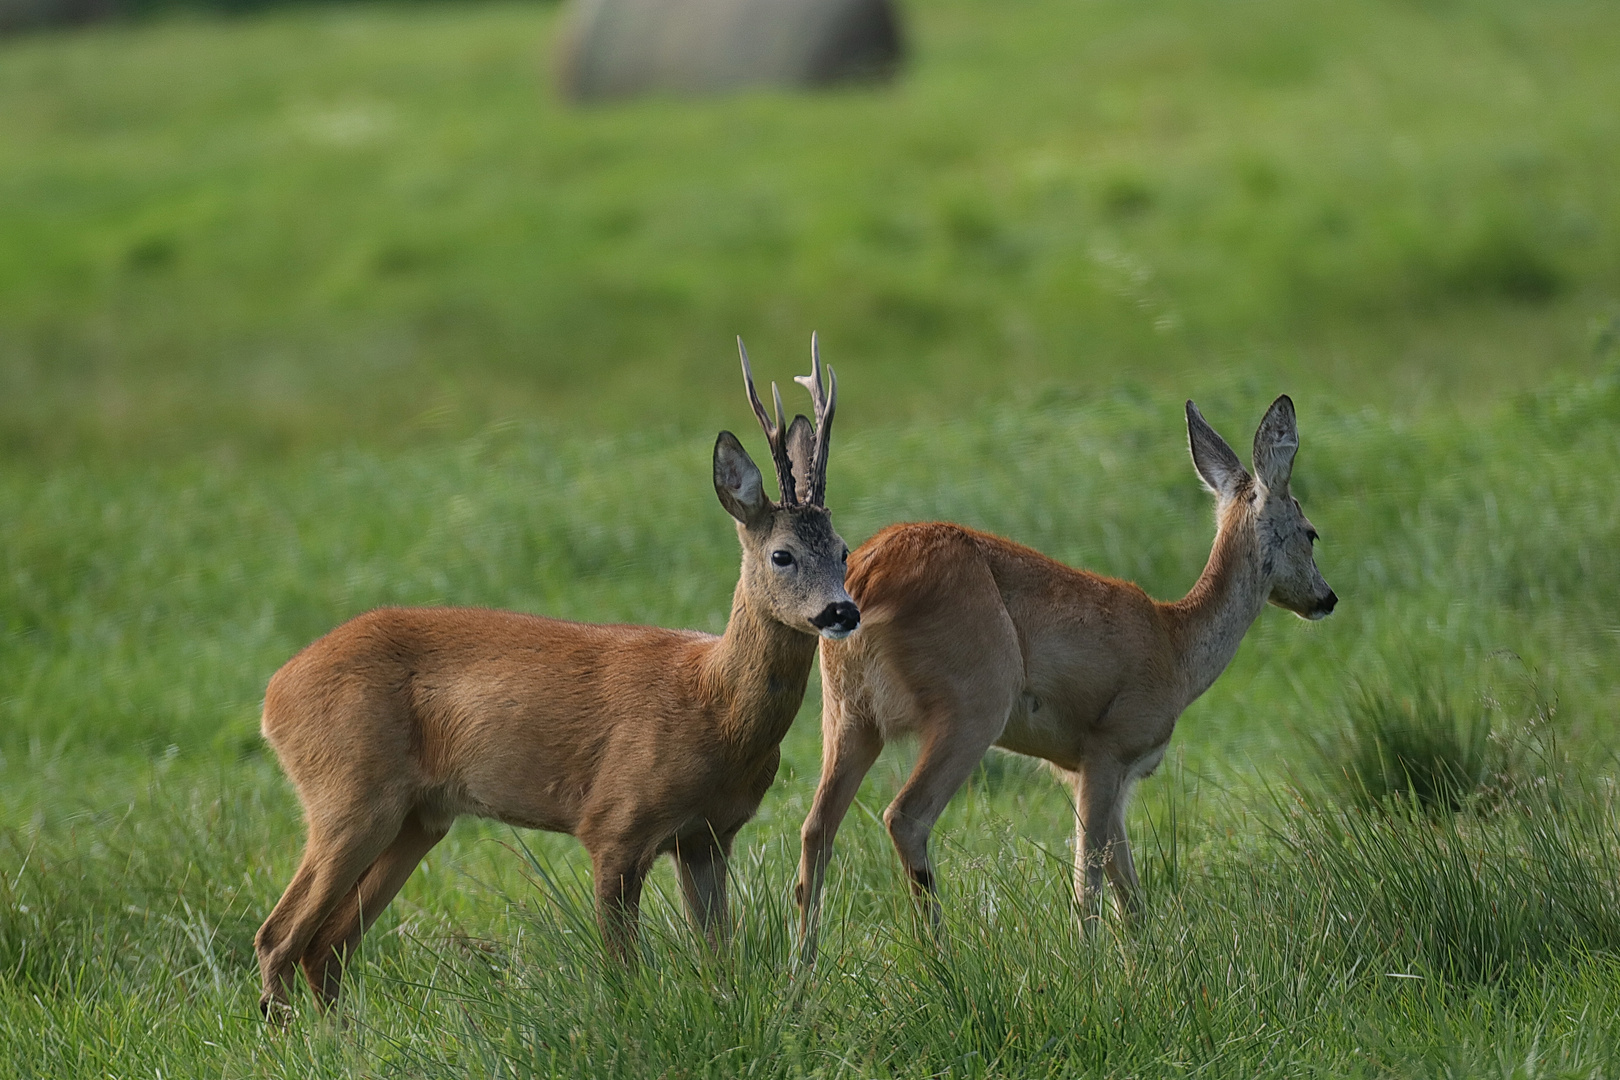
point(1210, 621)
point(756, 675)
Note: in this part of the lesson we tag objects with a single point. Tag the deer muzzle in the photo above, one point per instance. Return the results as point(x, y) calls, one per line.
point(837, 621)
point(1324, 608)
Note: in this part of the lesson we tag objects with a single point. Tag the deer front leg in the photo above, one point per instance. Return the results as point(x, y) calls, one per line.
point(1120, 867)
point(619, 875)
point(701, 864)
point(848, 748)
point(1099, 802)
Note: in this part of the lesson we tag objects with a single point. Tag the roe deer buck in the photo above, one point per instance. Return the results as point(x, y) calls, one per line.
point(637, 740)
point(971, 641)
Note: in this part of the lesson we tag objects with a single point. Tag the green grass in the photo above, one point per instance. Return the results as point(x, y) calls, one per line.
point(377, 224)
point(1420, 747)
point(315, 311)
point(149, 832)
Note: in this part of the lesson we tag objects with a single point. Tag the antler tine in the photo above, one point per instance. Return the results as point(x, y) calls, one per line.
point(775, 435)
point(824, 399)
point(777, 394)
point(753, 395)
point(813, 382)
point(818, 465)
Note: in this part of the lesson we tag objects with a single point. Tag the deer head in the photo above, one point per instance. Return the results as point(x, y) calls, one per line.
point(1284, 536)
point(793, 560)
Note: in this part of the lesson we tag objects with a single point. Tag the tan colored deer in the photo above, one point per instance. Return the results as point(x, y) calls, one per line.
point(637, 740)
point(970, 641)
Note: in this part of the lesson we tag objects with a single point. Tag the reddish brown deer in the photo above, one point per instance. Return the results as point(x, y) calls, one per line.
point(637, 740)
point(971, 641)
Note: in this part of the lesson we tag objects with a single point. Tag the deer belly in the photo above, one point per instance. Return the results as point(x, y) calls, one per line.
point(529, 799)
point(1037, 731)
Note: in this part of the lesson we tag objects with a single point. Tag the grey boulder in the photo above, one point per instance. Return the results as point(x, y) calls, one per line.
point(618, 48)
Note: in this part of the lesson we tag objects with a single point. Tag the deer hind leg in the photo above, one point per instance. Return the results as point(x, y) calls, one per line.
point(949, 755)
point(701, 865)
point(274, 965)
point(965, 669)
point(849, 746)
point(335, 856)
point(339, 936)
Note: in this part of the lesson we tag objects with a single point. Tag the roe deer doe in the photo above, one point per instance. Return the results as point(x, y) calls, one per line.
point(971, 641)
point(636, 740)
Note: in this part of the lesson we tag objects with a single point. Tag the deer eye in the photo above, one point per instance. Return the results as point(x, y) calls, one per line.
point(1310, 534)
point(782, 558)
point(845, 556)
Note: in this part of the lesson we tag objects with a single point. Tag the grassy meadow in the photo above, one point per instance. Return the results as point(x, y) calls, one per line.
point(320, 309)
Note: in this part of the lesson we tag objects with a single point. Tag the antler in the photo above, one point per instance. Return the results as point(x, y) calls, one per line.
point(775, 434)
point(824, 400)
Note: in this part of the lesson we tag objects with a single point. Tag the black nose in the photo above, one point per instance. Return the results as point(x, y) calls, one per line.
point(1329, 604)
point(843, 616)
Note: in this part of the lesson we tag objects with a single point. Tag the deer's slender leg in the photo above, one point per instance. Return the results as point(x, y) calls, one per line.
point(701, 865)
point(267, 942)
point(1099, 802)
point(338, 937)
point(1121, 868)
point(334, 859)
point(948, 758)
point(619, 875)
point(848, 747)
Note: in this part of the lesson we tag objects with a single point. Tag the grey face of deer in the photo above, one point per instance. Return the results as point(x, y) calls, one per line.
point(1286, 545)
point(1285, 536)
point(793, 559)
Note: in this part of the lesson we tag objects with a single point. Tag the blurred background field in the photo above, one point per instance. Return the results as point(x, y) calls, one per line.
point(325, 226)
point(321, 308)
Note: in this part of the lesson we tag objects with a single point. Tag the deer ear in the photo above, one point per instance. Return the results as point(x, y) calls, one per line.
point(1275, 444)
point(1218, 467)
point(737, 480)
